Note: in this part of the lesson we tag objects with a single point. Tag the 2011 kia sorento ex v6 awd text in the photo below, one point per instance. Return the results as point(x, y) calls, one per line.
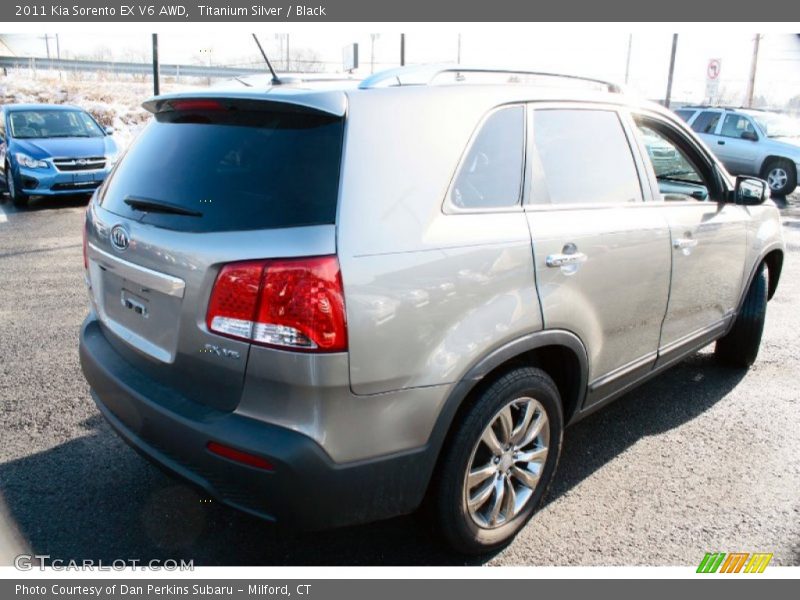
point(324, 304)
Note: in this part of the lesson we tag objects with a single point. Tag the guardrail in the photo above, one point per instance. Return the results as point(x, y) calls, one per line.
point(167, 70)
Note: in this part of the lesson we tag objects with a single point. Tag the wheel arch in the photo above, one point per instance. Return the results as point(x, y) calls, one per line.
point(772, 257)
point(774, 261)
point(560, 353)
point(769, 159)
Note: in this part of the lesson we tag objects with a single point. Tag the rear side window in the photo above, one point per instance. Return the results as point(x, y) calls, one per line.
point(706, 122)
point(582, 156)
point(232, 170)
point(490, 175)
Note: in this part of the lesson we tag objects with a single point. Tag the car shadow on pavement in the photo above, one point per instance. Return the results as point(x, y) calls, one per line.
point(93, 497)
point(46, 202)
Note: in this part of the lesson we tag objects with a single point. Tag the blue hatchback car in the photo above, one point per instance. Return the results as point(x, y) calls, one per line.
point(48, 150)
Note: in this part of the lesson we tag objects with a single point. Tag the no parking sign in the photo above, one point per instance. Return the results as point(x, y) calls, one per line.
point(712, 78)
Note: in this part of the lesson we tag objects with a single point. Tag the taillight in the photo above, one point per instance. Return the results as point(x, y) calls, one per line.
point(293, 303)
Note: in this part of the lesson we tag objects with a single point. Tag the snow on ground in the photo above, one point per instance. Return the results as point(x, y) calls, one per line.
point(115, 101)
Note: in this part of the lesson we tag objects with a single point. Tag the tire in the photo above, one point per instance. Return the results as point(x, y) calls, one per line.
point(480, 529)
point(18, 199)
point(739, 347)
point(781, 176)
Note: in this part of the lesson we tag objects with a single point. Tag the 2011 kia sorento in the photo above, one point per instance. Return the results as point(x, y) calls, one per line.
point(323, 304)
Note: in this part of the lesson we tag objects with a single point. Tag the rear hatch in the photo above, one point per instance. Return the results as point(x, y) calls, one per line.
point(210, 181)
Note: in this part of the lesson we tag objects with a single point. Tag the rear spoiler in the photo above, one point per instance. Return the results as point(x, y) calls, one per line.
point(328, 102)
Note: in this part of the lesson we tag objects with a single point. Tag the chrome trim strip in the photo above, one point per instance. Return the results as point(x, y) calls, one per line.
point(695, 335)
point(161, 282)
point(623, 370)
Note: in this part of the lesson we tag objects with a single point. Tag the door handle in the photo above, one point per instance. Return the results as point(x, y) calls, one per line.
point(721, 142)
point(683, 243)
point(564, 260)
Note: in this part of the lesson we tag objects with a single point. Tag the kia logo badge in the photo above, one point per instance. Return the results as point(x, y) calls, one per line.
point(119, 237)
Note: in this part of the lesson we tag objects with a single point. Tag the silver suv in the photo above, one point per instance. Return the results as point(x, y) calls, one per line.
point(751, 142)
point(323, 305)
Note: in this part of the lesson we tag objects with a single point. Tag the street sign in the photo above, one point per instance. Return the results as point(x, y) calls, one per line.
point(713, 69)
point(712, 80)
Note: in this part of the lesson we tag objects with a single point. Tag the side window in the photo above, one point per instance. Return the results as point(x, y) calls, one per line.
point(582, 156)
point(490, 175)
point(678, 176)
point(684, 114)
point(737, 126)
point(706, 122)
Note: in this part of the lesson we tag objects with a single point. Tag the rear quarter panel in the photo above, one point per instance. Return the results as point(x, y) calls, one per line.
point(427, 293)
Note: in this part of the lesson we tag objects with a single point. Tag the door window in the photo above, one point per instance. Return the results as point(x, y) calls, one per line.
point(582, 156)
point(678, 176)
point(738, 126)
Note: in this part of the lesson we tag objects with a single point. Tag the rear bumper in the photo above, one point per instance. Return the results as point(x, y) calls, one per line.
point(306, 489)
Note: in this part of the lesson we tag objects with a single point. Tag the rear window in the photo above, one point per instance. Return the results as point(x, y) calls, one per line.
point(232, 170)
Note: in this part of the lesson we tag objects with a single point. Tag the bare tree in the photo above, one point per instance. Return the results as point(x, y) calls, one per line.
point(307, 60)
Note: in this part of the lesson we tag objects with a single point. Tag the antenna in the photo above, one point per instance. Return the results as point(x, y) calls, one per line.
point(275, 80)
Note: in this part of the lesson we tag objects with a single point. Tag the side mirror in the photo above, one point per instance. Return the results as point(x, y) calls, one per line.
point(750, 191)
point(750, 135)
point(109, 130)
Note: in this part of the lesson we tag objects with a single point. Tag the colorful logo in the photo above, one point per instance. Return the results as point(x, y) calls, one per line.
point(734, 562)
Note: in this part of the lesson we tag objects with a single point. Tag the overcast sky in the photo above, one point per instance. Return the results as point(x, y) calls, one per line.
point(597, 53)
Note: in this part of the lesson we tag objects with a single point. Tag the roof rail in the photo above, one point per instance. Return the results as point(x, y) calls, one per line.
point(426, 74)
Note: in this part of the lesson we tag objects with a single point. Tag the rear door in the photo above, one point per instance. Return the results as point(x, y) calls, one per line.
point(707, 237)
point(207, 183)
point(601, 252)
point(705, 125)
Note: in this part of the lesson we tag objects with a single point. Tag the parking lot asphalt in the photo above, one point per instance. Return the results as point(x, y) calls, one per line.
point(703, 458)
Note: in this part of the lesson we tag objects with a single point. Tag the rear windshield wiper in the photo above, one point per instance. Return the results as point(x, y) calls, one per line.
point(150, 205)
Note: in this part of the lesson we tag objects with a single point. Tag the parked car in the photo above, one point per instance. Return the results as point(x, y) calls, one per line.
point(323, 306)
point(50, 150)
point(751, 142)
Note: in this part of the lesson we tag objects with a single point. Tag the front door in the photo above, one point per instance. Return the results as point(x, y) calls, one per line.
point(707, 237)
point(736, 144)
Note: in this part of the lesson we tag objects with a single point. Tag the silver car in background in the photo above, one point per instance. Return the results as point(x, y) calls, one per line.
point(324, 305)
point(751, 142)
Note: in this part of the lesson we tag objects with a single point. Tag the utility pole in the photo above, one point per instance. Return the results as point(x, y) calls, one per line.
point(628, 60)
point(402, 49)
point(155, 66)
point(58, 54)
point(288, 55)
point(458, 52)
point(751, 83)
point(47, 44)
point(671, 69)
point(372, 38)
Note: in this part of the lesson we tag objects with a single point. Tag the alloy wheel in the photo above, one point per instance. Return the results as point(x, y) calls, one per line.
point(507, 463)
point(777, 178)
